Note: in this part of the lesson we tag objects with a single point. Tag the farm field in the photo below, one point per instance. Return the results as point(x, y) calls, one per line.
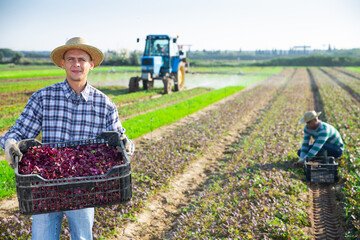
point(155, 108)
point(226, 172)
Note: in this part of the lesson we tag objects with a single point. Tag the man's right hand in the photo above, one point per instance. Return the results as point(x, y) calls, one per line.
point(12, 149)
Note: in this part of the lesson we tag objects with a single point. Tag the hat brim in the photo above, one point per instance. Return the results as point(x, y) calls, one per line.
point(302, 120)
point(58, 53)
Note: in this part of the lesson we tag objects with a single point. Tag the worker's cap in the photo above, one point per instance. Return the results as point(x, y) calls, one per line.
point(308, 116)
point(77, 43)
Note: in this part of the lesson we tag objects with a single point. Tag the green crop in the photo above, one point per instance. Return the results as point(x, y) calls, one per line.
point(148, 122)
point(7, 182)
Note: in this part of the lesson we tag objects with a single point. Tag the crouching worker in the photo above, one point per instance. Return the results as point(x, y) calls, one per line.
point(66, 111)
point(325, 136)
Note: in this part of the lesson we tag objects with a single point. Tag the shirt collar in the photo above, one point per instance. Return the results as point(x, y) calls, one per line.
point(319, 126)
point(70, 93)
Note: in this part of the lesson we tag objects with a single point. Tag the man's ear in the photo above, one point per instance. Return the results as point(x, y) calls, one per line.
point(62, 64)
point(92, 65)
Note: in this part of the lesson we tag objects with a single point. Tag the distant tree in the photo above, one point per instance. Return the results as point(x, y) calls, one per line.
point(1, 57)
point(329, 48)
point(7, 53)
point(134, 58)
point(16, 59)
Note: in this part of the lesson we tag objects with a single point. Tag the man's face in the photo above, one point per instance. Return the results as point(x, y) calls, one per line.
point(77, 64)
point(312, 124)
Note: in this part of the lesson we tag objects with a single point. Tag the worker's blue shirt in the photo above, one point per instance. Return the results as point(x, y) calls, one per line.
point(62, 115)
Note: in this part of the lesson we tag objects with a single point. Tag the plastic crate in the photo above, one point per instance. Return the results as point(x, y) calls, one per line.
point(37, 195)
point(321, 169)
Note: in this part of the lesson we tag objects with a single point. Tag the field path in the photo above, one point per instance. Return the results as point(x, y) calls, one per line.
point(325, 220)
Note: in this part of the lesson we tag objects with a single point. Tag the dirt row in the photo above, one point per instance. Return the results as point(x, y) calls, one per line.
point(325, 220)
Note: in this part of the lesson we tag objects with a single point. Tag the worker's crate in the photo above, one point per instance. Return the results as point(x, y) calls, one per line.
point(321, 169)
point(37, 195)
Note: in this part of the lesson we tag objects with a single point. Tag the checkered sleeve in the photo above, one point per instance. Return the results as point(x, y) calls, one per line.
point(113, 124)
point(28, 125)
point(112, 119)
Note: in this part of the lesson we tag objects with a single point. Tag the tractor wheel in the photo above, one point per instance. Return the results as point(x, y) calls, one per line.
point(180, 77)
point(167, 85)
point(134, 84)
point(145, 84)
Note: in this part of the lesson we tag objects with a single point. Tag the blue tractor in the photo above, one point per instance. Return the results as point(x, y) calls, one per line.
point(163, 60)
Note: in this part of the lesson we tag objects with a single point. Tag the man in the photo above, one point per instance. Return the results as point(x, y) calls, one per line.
point(160, 49)
point(66, 111)
point(325, 136)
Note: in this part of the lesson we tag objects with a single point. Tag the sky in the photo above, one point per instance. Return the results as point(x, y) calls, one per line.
point(42, 25)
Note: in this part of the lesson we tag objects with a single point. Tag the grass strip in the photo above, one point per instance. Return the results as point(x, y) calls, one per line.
point(7, 181)
point(356, 69)
point(52, 71)
point(32, 85)
point(32, 73)
point(139, 125)
point(141, 106)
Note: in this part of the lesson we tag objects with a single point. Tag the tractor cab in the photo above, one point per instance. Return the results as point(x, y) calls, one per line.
point(162, 60)
point(165, 48)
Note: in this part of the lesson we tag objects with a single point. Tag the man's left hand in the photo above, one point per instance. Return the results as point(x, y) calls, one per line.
point(299, 163)
point(127, 144)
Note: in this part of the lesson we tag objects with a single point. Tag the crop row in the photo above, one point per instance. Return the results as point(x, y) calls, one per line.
point(34, 72)
point(344, 113)
point(160, 160)
point(349, 83)
point(257, 193)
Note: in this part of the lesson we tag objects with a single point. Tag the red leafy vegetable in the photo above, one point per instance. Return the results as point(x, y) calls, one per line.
point(55, 163)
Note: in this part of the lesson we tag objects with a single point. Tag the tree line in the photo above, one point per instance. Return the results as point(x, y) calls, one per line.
point(123, 57)
point(113, 58)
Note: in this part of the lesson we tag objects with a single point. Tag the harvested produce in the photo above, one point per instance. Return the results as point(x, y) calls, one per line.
point(54, 163)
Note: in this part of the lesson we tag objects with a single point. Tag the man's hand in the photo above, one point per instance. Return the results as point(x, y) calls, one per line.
point(12, 149)
point(299, 163)
point(129, 146)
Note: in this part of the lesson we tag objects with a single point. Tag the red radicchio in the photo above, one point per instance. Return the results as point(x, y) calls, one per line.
point(55, 163)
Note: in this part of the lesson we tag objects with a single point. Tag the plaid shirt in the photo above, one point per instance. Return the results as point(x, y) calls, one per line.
point(62, 115)
point(324, 133)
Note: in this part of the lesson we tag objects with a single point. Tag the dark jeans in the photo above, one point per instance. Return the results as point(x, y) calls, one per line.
point(331, 149)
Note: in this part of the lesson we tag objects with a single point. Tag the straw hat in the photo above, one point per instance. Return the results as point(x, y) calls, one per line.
point(308, 116)
point(77, 43)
